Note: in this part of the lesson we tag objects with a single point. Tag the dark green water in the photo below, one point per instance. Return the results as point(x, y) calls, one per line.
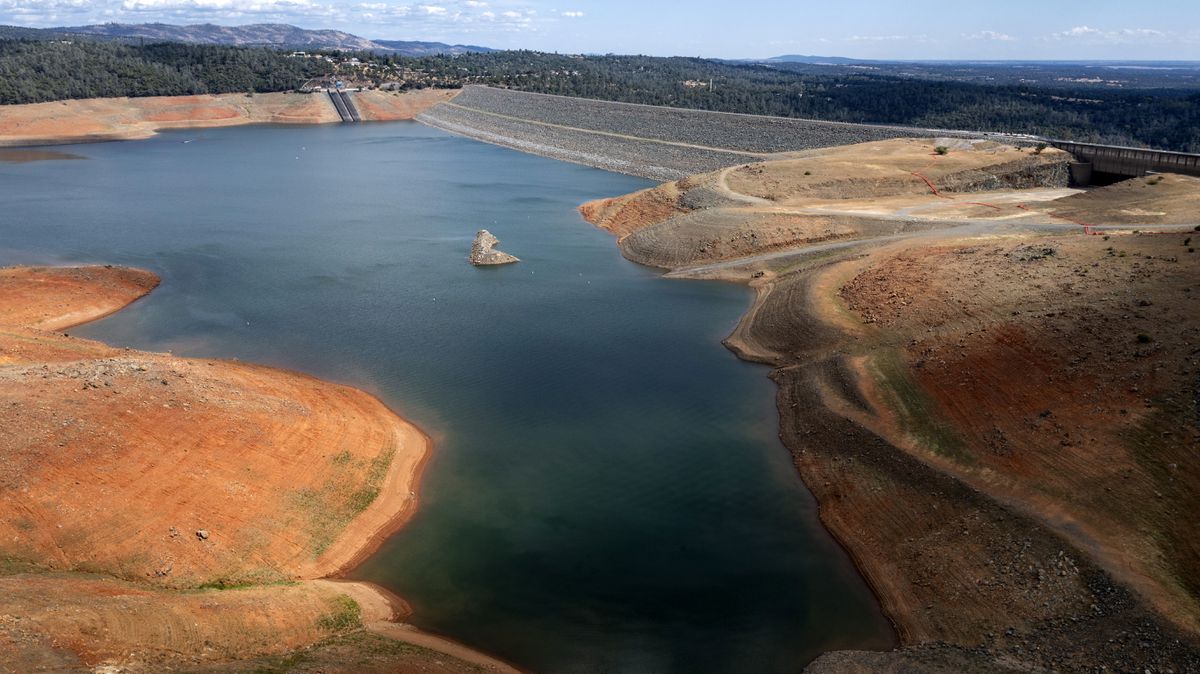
point(607, 492)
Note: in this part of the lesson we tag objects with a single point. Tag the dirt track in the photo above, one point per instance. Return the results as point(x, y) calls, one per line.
point(841, 194)
point(995, 422)
point(133, 483)
point(99, 119)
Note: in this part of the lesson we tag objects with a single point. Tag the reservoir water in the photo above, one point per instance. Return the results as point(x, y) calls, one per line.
point(607, 492)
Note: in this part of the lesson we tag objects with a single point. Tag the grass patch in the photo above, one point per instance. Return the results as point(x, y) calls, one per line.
point(346, 493)
point(284, 664)
point(12, 567)
point(345, 615)
point(241, 583)
point(376, 473)
point(357, 650)
point(918, 415)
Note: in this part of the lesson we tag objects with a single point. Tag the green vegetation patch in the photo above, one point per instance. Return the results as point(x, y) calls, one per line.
point(244, 582)
point(356, 650)
point(917, 414)
point(37, 71)
point(345, 615)
point(1156, 444)
point(11, 567)
point(345, 494)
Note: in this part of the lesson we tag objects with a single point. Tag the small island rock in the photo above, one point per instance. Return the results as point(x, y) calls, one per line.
point(484, 253)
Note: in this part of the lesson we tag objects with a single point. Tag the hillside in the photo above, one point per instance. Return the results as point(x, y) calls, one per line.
point(277, 35)
point(415, 48)
point(254, 35)
point(100, 119)
point(983, 399)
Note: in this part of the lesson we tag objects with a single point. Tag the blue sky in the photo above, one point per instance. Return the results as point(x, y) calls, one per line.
point(1010, 29)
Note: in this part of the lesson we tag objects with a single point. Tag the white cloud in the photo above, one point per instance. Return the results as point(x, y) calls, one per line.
point(888, 38)
point(231, 8)
point(573, 14)
point(1119, 36)
point(990, 35)
point(402, 19)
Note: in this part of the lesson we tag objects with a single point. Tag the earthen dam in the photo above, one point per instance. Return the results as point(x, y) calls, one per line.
point(661, 143)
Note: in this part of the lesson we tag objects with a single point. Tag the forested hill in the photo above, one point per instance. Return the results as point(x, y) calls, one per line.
point(32, 72)
point(274, 35)
point(1164, 117)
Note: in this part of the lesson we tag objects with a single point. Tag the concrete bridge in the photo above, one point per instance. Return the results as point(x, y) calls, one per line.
point(1125, 162)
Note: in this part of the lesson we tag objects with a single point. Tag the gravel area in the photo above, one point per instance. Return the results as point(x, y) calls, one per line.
point(519, 119)
point(631, 156)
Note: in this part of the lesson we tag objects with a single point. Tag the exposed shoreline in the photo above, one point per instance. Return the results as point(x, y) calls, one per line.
point(397, 503)
point(98, 120)
point(1020, 588)
point(62, 297)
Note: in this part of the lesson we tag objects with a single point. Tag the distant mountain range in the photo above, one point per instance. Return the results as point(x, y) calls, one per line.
point(814, 60)
point(278, 35)
point(409, 48)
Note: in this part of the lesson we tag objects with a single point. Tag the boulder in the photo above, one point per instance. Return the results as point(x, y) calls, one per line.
point(483, 250)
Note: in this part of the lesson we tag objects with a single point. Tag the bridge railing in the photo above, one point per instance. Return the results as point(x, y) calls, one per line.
point(1131, 161)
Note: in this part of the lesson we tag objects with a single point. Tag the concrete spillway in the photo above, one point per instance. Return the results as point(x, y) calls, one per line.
point(353, 111)
point(345, 107)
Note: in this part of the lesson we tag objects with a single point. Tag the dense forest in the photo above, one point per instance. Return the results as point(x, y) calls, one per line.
point(1164, 118)
point(36, 71)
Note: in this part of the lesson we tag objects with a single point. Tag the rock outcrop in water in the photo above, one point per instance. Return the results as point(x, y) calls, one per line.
point(483, 250)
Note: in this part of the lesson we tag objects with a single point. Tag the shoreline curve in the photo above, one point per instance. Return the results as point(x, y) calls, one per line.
point(58, 298)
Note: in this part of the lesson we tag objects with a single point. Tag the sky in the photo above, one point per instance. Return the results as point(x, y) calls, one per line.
point(882, 29)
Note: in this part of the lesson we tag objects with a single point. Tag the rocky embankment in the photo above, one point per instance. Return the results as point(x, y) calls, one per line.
point(885, 188)
point(484, 253)
point(647, 141)
point(159, 513)
point(988, 411)
point(102, 119)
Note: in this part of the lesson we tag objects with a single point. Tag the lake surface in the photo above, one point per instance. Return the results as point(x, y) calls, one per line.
point(607, 492)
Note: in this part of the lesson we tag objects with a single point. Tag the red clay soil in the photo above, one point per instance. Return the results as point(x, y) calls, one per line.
point(976, 575)
point(1061, 373)
point(56, 298)
point(998, 427)
point(165, 475)
point(115, 459)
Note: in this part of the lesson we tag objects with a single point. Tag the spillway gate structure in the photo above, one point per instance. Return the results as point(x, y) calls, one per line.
point(345, 106)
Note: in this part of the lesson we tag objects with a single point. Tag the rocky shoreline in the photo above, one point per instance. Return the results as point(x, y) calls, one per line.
point(975, 574)
point(108, 119)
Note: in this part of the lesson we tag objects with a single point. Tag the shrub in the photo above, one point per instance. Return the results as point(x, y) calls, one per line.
point(941, 149)
point(1040, 148)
